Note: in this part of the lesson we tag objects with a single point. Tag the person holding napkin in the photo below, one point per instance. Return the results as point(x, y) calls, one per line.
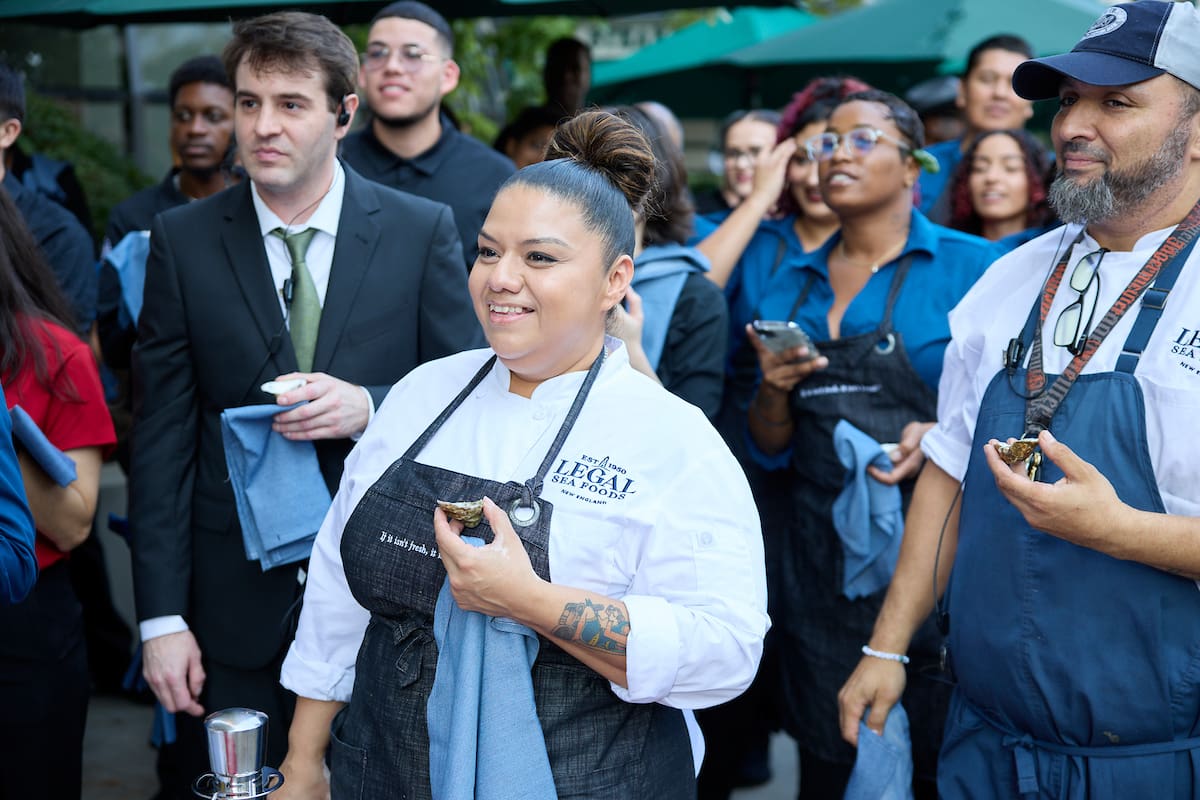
point(51, 374)
point(622, 544)
point(874, 299)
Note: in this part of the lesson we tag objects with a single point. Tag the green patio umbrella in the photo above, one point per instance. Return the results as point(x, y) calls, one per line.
point(896, 43)
point(685, 69)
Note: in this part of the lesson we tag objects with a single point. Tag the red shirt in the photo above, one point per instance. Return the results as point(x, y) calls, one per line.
point(72, 412)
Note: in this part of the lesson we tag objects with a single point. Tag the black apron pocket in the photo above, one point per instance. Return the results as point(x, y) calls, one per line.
point(347, 763)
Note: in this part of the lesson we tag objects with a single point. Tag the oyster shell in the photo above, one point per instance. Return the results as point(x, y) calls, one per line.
point(1018, 451)
point(469, 513)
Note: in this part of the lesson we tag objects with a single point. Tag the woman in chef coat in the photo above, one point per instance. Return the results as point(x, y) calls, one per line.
point(619, 528)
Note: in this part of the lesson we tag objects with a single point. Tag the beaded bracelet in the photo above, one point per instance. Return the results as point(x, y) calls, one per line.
point(897, 657)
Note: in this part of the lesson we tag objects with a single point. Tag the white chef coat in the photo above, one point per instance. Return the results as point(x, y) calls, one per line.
point(649, 505)
point(995, 310)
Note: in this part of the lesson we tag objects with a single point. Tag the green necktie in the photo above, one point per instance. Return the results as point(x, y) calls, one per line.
point(304, 317)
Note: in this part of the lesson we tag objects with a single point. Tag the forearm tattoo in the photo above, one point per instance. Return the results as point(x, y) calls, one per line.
point(602, 627)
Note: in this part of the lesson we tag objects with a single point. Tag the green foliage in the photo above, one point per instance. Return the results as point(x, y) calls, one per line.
point(107, 175)
point(501, 61)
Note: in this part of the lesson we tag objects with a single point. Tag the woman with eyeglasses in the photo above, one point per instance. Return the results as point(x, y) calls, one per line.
point(743, 138)
point(873, 300)
point(785, 183)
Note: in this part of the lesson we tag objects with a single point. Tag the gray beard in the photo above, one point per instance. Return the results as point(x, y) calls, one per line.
point(1118, 193)
point(407, 121)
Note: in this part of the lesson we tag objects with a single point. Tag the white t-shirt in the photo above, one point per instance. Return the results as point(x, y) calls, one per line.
point(995, 310)
point(649, 505)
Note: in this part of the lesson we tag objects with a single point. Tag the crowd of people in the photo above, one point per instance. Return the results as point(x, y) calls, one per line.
point(567, 480)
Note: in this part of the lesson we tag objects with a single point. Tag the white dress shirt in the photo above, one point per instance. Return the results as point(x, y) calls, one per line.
point(649, 506)
point(995, 310)
point(319, 255)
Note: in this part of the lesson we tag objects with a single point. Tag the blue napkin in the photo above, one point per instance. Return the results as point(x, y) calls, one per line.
point(128, 258)
point(485, 740)
point(883, 768)
point(277, 484)
point(57, 464)
point(867, 515)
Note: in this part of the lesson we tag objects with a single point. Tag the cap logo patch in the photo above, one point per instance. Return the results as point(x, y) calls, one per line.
point(1109, 21)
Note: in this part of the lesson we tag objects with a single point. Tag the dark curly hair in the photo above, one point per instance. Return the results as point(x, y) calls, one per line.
point(963, 216)
point(814, 103)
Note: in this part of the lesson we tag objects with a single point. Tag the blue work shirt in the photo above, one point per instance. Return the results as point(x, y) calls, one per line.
point(752, 274)
point(945, 264)
point(932, 184)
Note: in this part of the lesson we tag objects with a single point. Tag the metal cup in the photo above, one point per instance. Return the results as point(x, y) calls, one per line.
point(237, 741)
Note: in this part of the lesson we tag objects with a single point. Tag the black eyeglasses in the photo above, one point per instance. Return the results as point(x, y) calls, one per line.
point(861, 140)
point(1070, 331)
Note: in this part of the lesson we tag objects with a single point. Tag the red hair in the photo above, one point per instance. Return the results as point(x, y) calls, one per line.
point(963, 216)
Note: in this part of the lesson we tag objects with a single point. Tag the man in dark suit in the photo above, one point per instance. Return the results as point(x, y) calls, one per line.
point(228, 305)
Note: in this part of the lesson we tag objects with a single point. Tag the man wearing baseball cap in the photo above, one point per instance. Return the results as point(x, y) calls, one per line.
point(1073, 611)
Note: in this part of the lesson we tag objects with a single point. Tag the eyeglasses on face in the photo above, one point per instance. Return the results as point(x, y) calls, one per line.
point(411, 56)
point(1070, 331)
point(751, 154)
point(861, 141)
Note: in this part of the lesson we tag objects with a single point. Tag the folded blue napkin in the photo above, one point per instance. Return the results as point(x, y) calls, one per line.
point(485, 740)
point(277, 484)
point(57, 464)
point(883, 768)
point(867, 515)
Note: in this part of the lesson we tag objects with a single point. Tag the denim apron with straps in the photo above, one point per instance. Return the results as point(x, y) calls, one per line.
point(871, 383)
point(599, 746)
point(1078, 673)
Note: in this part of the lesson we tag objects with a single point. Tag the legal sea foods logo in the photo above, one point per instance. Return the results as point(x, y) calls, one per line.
point(1187, 346)
point(593, 480)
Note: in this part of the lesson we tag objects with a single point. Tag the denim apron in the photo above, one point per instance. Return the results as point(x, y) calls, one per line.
point(871, 383)
point(599, 746)
point(1078, 673)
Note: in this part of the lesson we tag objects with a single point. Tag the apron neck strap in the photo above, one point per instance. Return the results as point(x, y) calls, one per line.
point(416, 447)
point(885, 324)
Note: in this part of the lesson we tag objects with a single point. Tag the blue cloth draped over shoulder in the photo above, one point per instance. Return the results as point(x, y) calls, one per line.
point(658, 276)
point(485, 740)
point(867, 515)
point(277, 484)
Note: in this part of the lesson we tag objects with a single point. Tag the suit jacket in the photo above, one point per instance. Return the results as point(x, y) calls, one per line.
point(211, 332)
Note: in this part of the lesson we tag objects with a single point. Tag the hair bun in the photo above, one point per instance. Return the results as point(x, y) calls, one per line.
point(610, 145)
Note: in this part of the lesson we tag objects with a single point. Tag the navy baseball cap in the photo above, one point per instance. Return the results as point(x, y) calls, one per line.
point(1129, 43)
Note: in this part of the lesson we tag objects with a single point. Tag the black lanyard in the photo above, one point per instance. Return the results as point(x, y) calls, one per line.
point(1164, 265)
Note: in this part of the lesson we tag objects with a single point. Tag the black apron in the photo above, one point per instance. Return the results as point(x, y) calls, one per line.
point(599, 746)
point(870, 383)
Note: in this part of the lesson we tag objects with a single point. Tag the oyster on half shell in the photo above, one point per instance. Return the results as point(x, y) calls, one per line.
point(1018, 451)
point(469, 513)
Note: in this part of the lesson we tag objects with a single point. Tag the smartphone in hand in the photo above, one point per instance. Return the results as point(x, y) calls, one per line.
point(779, 336)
